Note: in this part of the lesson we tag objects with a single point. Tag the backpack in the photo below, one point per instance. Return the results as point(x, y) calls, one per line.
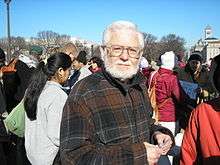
point(15, 121)
point(152, 95)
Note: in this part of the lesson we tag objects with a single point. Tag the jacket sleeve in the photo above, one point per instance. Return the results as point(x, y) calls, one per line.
point(80, 144)
point(189, 149)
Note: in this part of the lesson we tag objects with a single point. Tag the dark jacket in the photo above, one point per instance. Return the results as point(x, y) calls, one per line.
point(202, 80)
point(15, 84)
point(3, 133)
point(107, 121)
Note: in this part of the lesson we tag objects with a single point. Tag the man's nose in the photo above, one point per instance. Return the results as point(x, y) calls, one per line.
point(124, 55)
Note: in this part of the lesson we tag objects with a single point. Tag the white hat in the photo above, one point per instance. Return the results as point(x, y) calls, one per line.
point(143, 63)
point(168, 60)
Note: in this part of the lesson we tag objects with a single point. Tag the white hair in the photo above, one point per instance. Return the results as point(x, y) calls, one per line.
point(122, 25)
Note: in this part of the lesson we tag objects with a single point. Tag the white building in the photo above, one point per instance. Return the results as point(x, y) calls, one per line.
point(209, 46)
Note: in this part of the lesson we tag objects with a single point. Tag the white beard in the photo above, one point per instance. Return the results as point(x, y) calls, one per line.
point(116, 73)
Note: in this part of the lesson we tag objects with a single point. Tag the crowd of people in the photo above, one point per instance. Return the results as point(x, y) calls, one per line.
point(114, 108)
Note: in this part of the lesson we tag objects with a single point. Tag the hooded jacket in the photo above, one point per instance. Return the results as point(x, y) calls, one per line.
point(168, 90)
point(201, 141)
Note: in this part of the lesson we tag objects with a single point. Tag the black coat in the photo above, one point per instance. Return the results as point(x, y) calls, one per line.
point(3, 132)
point(15, 84)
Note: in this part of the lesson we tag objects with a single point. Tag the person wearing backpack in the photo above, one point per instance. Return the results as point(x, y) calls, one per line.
point(165, 93)
point(16, 80)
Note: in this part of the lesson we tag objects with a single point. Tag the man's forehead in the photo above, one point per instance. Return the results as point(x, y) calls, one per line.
point(122, 32)
point(124, 36)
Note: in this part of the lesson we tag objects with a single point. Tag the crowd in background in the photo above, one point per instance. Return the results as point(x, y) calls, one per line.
point(106, 109)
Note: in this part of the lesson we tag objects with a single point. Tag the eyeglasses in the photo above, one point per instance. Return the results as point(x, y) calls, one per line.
point(117, 50)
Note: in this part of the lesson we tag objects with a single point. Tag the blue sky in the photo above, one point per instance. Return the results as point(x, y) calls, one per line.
point(88, 18)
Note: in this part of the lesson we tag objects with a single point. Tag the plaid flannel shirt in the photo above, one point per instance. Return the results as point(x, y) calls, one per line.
point(106, 122)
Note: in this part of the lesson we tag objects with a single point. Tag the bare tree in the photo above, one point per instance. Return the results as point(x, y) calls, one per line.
point(4, 43)
point(18, 43)
point(150, 47)
point(149, 38)
point(83, 45)
point(174, 43)
point(79, 45)
point(50, 39)
point(47, 38)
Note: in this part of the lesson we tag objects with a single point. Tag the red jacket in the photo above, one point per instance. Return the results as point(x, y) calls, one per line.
point(201, 141)
point(167, 87)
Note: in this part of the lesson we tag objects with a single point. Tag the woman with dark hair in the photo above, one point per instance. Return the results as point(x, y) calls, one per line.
point(44, 100)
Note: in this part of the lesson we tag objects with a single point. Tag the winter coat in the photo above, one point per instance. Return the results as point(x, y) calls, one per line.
point(15, 83)
point(3, 132)
point(168, 94)
point(201, 141)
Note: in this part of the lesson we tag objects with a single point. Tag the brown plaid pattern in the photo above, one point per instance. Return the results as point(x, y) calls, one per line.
point(106, 122)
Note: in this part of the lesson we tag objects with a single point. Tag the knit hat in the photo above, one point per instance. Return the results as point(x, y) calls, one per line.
point(2, 54)
point(195, 56)
point(143, 63)
point(35, 49)
point(168, 60)
point(82, 57)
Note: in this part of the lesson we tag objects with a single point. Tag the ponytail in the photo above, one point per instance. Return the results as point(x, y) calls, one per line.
point(37, 83)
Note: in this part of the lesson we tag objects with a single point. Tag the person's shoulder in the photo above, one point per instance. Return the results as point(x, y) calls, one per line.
point(21, 66)
point(89, 82)
point(208, 106)
point(85, 70)
point(166, 75)
point(52, 91)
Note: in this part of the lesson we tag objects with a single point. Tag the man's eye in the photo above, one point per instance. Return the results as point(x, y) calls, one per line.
point(133, 50)
point(117, 48)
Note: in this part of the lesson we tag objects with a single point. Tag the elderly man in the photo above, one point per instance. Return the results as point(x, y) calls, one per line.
point(107, 117)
